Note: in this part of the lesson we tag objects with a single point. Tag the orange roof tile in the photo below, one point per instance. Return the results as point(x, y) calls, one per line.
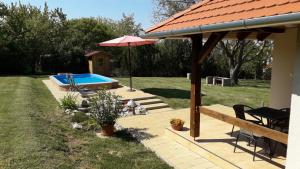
point(209, 12)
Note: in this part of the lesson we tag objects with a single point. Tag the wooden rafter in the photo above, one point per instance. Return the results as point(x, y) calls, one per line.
point(209, 45)
point(242, 35)
point(262, 35)
point(272, 30)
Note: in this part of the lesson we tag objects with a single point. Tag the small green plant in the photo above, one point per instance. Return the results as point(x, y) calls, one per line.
point(79, 117)
point(69, 102)
point(105, 107)
point(90, 124)
point(177, 122)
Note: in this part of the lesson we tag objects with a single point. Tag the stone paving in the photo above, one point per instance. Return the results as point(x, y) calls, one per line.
point(150, 130)
point(213, 149)
point(149, 101)
point(152, 133)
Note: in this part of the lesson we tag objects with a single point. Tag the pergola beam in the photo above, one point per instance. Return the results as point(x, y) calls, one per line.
point(264, 131)
point(209, 45)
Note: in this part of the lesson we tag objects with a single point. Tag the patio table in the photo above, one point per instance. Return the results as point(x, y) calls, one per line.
point(270, 114)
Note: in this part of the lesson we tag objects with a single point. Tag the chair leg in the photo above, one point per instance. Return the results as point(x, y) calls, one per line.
point(254, 153)
point(270, 148)
point(237, 139)
point(232, 131)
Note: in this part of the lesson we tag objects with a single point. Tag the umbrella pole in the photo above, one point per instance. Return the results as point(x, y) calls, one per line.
point(130, 78)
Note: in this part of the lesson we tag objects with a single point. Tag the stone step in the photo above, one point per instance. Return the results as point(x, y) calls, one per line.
point(141, 98)
point(160, 110)
point(149, 101)
point(156, 106)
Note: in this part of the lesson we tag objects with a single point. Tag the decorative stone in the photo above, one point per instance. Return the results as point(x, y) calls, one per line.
point(85, 103)
point(76, 126)
point(84, 109)
point(68, 111)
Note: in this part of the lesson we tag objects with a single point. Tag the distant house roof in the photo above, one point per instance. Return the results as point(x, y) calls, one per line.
point(93, 53)
point(212, 15)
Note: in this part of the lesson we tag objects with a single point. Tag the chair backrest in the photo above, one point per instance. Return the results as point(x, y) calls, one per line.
point(239, 111)
point(288, 110)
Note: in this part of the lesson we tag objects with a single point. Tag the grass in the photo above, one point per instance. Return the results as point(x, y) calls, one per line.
point(34, 133)
point(176, 91)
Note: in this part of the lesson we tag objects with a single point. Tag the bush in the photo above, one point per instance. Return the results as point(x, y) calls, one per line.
point(79, 117)
point(90, 124)
point(106, 107)
point(69, 102)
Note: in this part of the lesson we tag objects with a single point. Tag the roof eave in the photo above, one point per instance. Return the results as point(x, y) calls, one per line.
point(277, 20)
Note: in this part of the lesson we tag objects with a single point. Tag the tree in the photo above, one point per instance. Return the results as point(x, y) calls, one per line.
point(240, 52)
point(164, 9)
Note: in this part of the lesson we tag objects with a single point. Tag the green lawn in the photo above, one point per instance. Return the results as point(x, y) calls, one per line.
point(176, 91)
point(34, 133)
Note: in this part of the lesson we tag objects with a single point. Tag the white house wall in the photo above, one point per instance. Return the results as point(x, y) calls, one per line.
point(293, 153)
point(282, 68)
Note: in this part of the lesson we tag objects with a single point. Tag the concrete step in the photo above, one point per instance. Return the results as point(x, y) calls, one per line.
point(149, 101)
point(141, 98)
point(156, 106)
point(160, 110)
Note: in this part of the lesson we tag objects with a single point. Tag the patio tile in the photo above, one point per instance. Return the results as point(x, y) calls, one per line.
point(215, 141)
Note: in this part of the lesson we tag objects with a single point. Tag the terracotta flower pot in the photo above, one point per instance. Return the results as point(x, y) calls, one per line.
point(107, 130)
point(177, 127)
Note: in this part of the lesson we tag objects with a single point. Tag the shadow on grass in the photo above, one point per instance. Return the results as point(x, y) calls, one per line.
point(169, 93)
point(255, 84)
point(124, 135)
point(133, 134)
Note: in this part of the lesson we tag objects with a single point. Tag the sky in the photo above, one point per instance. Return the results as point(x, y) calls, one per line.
point(142, 9)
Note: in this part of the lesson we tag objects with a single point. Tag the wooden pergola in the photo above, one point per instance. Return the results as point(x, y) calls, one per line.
point(214, 20)
point(199, 53)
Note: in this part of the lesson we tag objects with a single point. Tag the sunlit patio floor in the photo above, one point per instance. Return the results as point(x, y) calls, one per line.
point(214, 147)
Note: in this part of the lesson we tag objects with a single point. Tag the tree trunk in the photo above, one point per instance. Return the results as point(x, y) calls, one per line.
point(234, 75)
point(33, 64)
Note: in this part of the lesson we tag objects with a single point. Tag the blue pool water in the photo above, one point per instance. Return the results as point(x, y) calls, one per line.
point(84, 79)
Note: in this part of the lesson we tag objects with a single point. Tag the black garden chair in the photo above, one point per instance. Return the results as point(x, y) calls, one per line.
point(252, 137)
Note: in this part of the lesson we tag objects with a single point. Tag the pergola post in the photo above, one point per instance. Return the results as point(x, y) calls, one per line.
point(199, 54)
point(195, 86)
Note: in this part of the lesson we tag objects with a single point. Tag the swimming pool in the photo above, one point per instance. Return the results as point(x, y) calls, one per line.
point(91, 81)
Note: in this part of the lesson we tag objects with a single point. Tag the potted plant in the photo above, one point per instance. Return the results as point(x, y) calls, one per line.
point(177, 124)
point(106, 107)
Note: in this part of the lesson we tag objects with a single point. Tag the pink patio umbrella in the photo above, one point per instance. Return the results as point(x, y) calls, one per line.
point(128, 41)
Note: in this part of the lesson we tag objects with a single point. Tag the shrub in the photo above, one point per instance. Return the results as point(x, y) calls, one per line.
point(105, 107)
point(177, 122)
point(69, 102)
point(90, 124)
point(79, 117)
